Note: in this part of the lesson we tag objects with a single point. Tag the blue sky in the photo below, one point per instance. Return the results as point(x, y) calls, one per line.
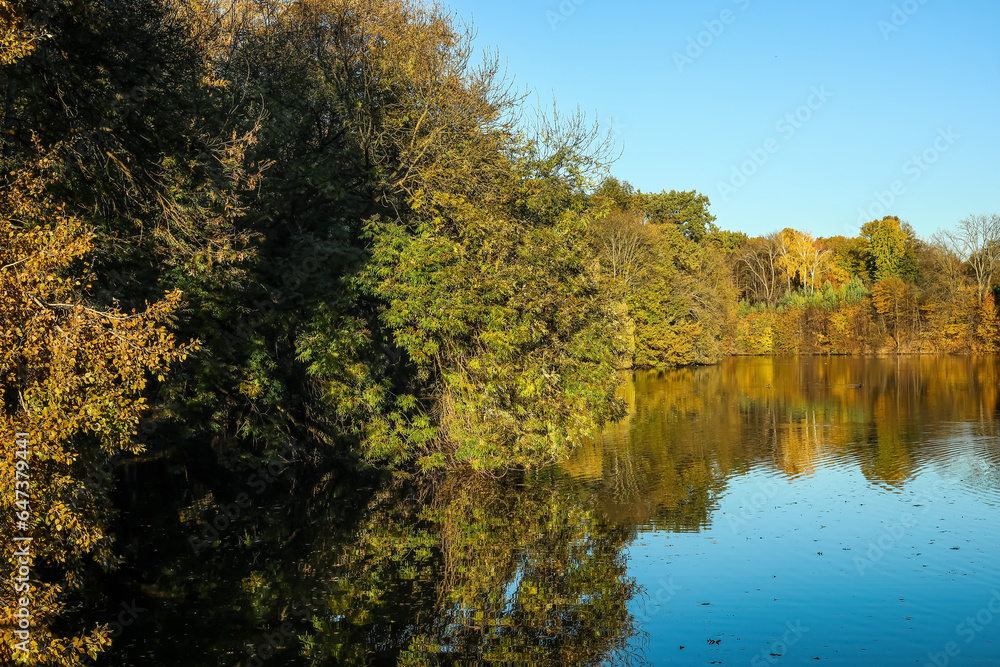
point(812, 115)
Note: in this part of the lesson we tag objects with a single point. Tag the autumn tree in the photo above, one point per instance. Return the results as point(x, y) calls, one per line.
point(624, 245)
point(472, 327)
point(73, 376)
point(119, 187)
point(977, 242)
point(847, 258)
point(681, 306)
point(988, 326)
point(944, 266)
point(505, 312)
point(728, 241)
point(151, 151)
point(17, 39)
point(892, 300)
point(617, 195)
point(800, 256)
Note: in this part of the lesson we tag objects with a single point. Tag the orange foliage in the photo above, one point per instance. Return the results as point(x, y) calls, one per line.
point(71, 376)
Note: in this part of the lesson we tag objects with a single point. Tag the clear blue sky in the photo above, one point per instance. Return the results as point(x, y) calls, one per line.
point(923, 82)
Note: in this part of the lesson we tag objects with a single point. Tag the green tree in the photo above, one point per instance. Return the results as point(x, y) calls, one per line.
point(507, 319)
point(679, 305)
point(479, 332)
point(617, 195)
point(686, 209)
point(890, 249)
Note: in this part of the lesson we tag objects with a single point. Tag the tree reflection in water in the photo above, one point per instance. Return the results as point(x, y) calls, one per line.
point(346, 569)
point(689, 431)
point(487, 571)
point(342, 567)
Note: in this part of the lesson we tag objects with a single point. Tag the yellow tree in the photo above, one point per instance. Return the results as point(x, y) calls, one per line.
point(801, 255)
point(891, 297)
point(16, 41)
point(71, 378)
point(988, 327)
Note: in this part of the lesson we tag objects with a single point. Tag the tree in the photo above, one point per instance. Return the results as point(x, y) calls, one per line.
point(618, 195)
point(72, 376)
point(977, 242)
point(117, 187)
point(680, 306)
point(508, 320)
point(151, 151)
point(494, 333)
point(891, 298)
point(988, 326)
point(944, 266)
point(16, 39)
point(727, 241)
point(844, 261)
point(686, 209)
point(758, 269)
point(800, 255)
point(890, 249)
point(624, 244)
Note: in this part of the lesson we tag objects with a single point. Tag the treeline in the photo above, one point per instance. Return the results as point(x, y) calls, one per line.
point(692, 293)
point(884, 291)
point(364, 247)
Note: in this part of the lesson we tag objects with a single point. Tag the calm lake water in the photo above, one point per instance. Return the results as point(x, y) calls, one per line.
point(833, 511)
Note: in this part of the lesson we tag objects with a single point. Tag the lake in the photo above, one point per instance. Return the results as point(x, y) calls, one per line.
point(839, 511)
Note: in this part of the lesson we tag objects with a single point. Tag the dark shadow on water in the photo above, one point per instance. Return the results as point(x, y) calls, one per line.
point(295, 565)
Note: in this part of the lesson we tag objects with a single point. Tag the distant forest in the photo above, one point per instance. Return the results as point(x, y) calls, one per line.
point(693, 293)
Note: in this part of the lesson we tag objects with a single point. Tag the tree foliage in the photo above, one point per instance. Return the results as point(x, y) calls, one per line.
point(73, 376)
